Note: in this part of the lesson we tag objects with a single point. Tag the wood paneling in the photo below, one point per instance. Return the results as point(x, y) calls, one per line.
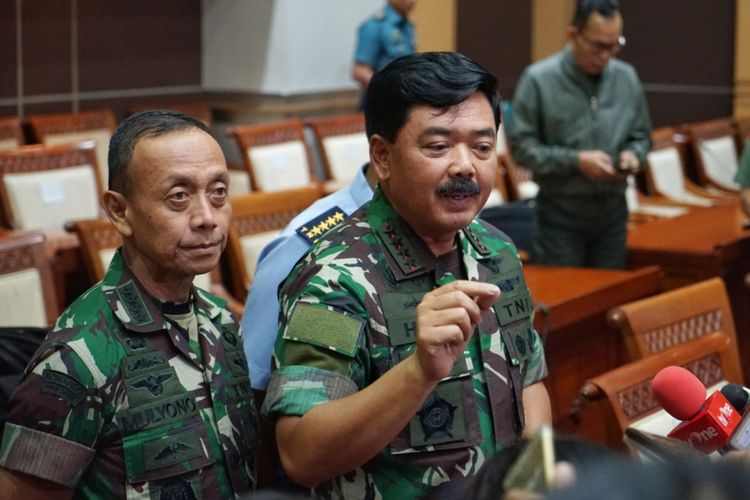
point(496, 34)
point(139, 44)
point(8, 82)
point(684, 56)
point(46, 47)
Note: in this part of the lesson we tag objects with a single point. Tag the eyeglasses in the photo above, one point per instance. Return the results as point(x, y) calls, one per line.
point(599, 47)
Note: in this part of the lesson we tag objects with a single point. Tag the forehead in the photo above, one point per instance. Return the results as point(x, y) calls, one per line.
point(168, 154)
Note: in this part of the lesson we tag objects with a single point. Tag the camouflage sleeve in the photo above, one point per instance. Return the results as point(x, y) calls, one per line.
point(55, 419)
point(536, 367)
point(320, 357)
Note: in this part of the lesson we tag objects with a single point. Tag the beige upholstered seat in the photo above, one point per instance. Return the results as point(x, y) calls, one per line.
point(715, 151)
point(67, 128)
point(666, 176)
point(343, 145)
point(11, 133)
point(27, 292)
point(256, 219)
point(659, 322)
point(276, 155)
point(623, 395)
point(42, 187)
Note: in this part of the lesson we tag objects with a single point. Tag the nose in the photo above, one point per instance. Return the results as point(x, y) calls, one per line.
point(204, 213)
point(462, 164)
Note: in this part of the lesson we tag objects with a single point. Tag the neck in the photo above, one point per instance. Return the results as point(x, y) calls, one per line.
point(156, 284)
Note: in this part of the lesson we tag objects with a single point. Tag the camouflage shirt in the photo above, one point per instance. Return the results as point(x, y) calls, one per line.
point(348, 315)
point(125, 400)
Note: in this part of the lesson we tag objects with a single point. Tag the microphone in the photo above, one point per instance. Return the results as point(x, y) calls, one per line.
point(737, 396)
point(707, 424)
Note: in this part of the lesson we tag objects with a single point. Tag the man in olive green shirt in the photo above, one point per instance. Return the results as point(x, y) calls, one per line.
point(580, 123)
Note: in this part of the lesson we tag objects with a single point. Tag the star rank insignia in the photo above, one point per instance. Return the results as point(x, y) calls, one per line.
point(313, 229)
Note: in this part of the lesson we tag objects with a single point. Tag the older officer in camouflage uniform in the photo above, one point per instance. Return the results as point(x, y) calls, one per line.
point(407, 354)
point(141, 390)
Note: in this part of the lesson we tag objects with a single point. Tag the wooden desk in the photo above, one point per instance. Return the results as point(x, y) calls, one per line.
point(702, 244)
point(571, 315)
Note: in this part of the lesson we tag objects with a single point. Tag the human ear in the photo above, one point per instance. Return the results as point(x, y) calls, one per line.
point(116, 206)
point(380, 157)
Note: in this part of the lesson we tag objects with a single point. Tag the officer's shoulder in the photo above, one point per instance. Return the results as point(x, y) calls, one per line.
point(320, 223)
point(379, 14)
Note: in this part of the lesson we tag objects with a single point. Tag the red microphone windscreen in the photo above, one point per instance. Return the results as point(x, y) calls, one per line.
point(678, 391)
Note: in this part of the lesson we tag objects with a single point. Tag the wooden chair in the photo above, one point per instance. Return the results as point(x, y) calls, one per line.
point(199, 110)
point(27, 291)
point(42, 187)
point(276, 156)
point(98, 240)
point(343, 145)
point(666, 176)
point(623, 397)
point(671, 318)
point(742, 132)
point(65, 128)
point(257, 218)
point(11, 133)
point(714, 146)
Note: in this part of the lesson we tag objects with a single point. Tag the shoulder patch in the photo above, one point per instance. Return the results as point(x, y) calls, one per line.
point(313, 229)
point(63, 386)
point(324, 328)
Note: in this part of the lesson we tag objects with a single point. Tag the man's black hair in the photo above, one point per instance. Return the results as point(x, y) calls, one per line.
point(584, 9)
point(146, 124)
point(437, 79)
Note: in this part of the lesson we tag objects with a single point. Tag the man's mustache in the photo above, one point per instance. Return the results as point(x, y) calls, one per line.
point(457, 187)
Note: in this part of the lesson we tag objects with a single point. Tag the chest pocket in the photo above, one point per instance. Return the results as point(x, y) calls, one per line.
point(449, 418)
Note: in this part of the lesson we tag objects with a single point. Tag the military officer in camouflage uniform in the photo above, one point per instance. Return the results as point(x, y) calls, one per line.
point(406, 352)
point(141, 389)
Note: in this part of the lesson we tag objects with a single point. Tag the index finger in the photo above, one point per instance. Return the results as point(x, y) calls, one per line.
point(484, 294)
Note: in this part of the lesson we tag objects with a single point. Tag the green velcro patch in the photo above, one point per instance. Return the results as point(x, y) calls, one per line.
point(324, 328)
point(168, 450)
point(63, 386)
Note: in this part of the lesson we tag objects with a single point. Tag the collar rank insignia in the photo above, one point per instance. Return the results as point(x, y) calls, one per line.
point(313, 229)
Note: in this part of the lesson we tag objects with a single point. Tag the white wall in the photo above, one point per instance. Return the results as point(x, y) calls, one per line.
point(281, 47)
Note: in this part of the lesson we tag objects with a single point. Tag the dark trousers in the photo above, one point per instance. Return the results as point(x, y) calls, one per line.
point(566, 239)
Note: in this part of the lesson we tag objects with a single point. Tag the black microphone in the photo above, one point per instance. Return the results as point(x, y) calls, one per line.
point(737, 396)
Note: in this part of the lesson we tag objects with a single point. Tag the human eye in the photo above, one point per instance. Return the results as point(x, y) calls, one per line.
point(484, 149)
point(437, 147)
point(178, 199)
point(219, 193)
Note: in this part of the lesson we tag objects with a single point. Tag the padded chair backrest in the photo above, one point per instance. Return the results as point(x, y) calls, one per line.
point(45, 186)
point(67, 128)
point(256, 219)
point(342, 143)
point(671, 318)
point(715, 150)
point(623, 395)
point(99, 240)
point(27, 291)
point(665, 174)
point(11, 133)
point(276, 155)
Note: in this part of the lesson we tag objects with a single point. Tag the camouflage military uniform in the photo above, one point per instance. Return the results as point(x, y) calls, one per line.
point(130, 398)
point(349, 311)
